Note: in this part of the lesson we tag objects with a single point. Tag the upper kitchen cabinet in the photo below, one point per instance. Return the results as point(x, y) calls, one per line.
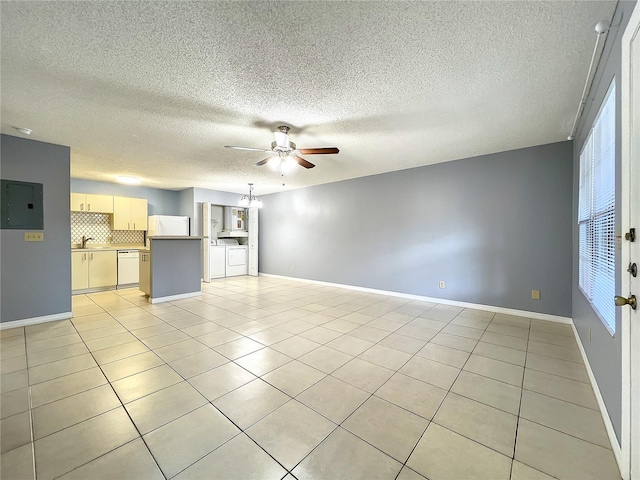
point(81, 202)
point(129, 213)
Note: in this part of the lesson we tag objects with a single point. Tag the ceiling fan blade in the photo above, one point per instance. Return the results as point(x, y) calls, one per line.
point(251, 149)
point(263, 162)
point(319, 151)
point(302, 162)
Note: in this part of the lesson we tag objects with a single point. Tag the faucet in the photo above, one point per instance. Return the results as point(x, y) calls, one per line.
point(84, 241)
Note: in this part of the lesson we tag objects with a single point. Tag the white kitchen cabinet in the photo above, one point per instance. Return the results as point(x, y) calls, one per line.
point(144, 261)
point(103, 269)
point(81, 202)
point(129, 213)
point(93, 269)
point(78, 202)
point(139, 213)
point(79, 270)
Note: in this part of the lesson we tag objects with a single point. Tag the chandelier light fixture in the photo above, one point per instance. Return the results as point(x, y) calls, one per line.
point(250, 200)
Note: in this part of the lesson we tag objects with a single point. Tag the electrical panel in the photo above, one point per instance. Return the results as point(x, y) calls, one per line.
point(21, 205)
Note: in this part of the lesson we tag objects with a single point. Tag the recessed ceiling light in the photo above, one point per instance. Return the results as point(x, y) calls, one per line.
point(128, 180)
point(24, 131)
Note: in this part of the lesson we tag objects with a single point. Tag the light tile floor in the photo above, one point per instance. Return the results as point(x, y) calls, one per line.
point(268, 378)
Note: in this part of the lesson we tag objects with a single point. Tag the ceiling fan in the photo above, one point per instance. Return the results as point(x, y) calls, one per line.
point(283, 149)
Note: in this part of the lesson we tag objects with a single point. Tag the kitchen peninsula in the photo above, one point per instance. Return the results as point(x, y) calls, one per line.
point(170, 268)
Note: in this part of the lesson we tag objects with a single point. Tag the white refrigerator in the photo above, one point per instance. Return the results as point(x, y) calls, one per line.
point(168, 225)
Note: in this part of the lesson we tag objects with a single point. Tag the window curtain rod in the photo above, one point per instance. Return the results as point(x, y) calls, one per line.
point(601, 30)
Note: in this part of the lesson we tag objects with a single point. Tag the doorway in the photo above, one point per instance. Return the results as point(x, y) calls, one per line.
point(630, 219)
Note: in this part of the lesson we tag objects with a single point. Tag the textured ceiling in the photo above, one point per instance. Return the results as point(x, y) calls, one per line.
point(155, 89)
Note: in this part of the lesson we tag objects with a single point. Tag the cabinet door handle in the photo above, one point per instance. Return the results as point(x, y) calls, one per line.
point(84, 256)
point(91, 256)
point(88, 207)
point(128, 226)
point(81, 206)
point(134, 225)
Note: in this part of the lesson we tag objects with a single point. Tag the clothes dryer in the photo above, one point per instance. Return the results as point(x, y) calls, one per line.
point(236, 257)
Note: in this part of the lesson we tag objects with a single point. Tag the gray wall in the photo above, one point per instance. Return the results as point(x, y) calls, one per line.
point(603, 350)
point(493, 228)
point(161, 202)
point(186, 207)
point(36, 276)
point(174, 267)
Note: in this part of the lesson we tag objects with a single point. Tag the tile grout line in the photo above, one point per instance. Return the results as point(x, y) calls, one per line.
point(210, 402)
point(367, 399)
point(397, 371)
point(121, 405)
point(440, 405)
point(524, 372)
point(30, 402)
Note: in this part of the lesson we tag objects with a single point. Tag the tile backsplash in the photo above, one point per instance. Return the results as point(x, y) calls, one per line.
point(98, 227)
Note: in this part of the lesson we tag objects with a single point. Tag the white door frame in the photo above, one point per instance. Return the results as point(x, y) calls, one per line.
point(630, 209)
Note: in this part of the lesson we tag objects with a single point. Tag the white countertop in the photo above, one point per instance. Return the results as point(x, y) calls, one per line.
point(107, 246)
point(171, 237)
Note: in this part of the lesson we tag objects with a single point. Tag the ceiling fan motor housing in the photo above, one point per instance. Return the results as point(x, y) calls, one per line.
point(289, 148)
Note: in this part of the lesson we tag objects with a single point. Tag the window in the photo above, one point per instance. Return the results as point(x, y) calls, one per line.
point(596, 213)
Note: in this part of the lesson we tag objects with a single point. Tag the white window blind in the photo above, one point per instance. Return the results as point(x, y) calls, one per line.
point(596, 213)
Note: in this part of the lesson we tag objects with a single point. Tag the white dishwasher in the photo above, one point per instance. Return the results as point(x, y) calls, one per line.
point(128, 268)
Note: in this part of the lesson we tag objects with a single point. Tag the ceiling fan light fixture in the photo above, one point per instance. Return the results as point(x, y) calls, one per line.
point(250, 200)
point(287, 163)
point(274, 163)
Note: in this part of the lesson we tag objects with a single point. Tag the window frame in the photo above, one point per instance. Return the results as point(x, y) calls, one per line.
point(593, 220)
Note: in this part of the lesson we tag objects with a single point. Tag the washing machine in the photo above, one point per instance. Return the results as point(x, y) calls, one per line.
point(236, 257)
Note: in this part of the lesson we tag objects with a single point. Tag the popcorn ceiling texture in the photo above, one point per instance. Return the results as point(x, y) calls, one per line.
point(155, 89)
point(98, 227)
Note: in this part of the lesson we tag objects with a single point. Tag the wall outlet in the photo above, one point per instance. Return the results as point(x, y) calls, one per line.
point(33, 236)
point(441, 284)
point(293, 267)
point(535, 294)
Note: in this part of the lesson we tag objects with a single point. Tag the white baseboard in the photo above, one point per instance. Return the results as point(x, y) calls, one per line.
point(35, 320)
point(455, 303)
point(171, 298)
point(615, 446)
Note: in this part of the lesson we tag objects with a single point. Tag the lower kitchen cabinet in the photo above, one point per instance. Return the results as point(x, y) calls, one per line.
point(79, 270)
point(144, 261)
point(91, 269)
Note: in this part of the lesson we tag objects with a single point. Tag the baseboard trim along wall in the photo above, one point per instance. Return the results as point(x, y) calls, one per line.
point(171, 298)
point(615, 446)
point(35, 320)
point(455, 303)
